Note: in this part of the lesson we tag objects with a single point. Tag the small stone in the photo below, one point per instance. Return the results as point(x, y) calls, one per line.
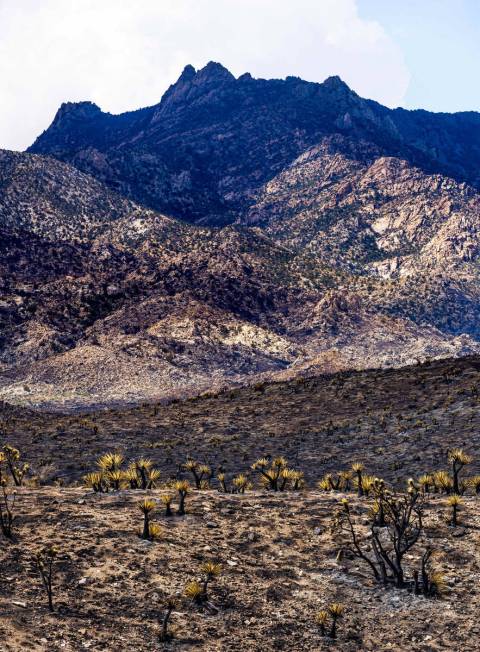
point(17, 603)
point(231, 563)
point(83, 581)
point(317, 530)
point(211, 524)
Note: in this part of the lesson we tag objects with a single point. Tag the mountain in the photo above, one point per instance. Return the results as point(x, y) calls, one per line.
point(214, 141)
point(339, 247)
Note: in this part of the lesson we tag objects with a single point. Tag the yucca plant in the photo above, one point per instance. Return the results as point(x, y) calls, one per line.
point(425, 482)
point(153, 478)
point(44, 561)
point(335, 610)
point(96, 481)
point(297, 480)
point(346, 478)
point(154, 531)
point(474, 483)
point(443, 482)
point(240, 482)
point(202, 473)
point(322, 619)
point(115, 478)
point(183, 487)
point(221, 480)
point(270, 473)
point(143, 466)
point(432, 582)
point(458, 459)
point(146, 507)
point(131, 476)
point(324, 484)
point(167, 500)
point(210, 571)
point(110, 462)
point(194, 592)
point(454, 501)
point(358, 468)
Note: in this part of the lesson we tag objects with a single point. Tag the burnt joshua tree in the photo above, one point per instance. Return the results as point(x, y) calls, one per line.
point(458, 459)
point(7, 504)
point(384, 552)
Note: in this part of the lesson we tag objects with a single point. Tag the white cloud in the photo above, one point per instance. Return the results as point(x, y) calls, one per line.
point(122, 54)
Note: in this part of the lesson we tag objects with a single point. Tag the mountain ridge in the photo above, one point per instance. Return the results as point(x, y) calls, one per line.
point(298, 238)
point(179, 156)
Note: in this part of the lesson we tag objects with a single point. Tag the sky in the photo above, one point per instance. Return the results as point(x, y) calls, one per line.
point(123, 54)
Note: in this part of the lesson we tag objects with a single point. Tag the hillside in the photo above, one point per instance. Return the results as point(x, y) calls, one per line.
point(282, 559)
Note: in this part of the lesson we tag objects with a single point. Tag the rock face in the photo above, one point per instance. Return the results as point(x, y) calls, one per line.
point(344, 243)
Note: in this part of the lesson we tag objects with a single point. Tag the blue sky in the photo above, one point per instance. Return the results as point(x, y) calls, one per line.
point(440, 40)
point(123, 54)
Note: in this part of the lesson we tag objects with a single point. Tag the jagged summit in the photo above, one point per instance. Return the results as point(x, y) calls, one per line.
point(203, 151)
point(214, 72)
point(336, 83)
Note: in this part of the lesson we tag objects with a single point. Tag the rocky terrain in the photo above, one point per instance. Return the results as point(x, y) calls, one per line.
point(339, 247)
point(279, 555)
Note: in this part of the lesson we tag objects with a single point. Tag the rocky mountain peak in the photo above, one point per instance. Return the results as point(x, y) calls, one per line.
point(77, 111)
point(213, 72)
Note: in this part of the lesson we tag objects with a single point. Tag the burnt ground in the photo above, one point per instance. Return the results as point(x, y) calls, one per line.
point(399, 422)
point(278, 569)
point(277, 553)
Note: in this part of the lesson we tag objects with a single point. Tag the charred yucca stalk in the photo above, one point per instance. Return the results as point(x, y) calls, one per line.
point(164, 633)
point(44, 561)
point(458, 459)
point(7, 505)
